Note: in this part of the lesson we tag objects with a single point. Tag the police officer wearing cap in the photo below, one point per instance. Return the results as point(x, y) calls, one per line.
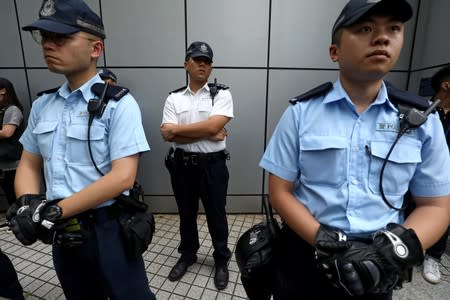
point(79, 215)
point(108, 76)
point(194, 120)
point(338, 183)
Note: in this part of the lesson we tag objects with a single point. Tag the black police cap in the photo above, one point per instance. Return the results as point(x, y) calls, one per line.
point(355, 10)
point(199, 49)
point(107, 73)
point(67, 17)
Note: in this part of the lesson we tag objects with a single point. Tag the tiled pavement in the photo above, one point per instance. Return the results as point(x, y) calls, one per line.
point(35, 268)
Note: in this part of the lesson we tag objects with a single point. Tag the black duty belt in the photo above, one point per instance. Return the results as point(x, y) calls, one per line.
point(197, 158)
point(101, 214)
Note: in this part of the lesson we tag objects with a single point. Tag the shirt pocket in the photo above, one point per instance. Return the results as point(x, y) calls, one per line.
point(399, 169)
point(205, 107)
point(45, 134)
point(182, 112)
point(78, 145)
point(323, 160)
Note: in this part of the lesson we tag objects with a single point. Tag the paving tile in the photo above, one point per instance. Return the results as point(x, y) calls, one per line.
point(36, 273)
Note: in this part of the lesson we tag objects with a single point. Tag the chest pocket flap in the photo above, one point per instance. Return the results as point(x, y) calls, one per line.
point(403, 153)
point(323, 160)
point(45, 127)
point(80, 132)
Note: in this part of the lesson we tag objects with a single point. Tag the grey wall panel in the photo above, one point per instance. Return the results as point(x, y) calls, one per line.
point(285, 85)
point(11, 52)
point(246, 130)
point(299, 37)
point(149, 33)
point(235, 204)
point(236, 30)
point(150, 87)
point(436, 45)
point(41, 80)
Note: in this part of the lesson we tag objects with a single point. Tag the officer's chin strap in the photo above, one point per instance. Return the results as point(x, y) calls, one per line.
point(409, 118)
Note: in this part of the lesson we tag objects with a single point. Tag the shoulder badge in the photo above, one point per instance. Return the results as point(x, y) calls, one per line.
point(49, 91)
point(115, 92)
point(317, 91)
point(400, 97)
point(179, 89)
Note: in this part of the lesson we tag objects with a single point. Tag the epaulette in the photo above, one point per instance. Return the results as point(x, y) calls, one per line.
point(49, 91)
point(315, 92)
point(179, 90)
point(400, 97)
point(115, 92)
point(219, 86)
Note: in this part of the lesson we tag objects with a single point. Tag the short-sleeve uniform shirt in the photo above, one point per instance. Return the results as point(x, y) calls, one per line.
point(333, 155)
point(58, 131)
point(186, 107)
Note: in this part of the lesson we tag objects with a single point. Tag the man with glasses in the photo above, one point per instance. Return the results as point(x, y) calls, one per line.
point(194, 118)
point(88, 249)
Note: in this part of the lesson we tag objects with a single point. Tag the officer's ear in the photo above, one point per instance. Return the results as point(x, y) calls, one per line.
point(333, 50)
point(97, 48)
point(445, 86)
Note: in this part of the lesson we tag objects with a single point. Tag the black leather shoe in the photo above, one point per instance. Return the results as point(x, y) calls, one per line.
point(180, 268)
point(221, 277)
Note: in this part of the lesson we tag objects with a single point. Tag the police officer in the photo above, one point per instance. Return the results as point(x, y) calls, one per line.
point(344, 236)
point(79, 214)
point(108, 76)
point(194, 119)
point(440, 82)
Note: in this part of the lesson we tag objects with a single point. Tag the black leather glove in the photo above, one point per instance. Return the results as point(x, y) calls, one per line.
point(23, 200)
point(35, 221)
point(330, 241)
point(377, 267)
point(399, 249)
point(25, 224)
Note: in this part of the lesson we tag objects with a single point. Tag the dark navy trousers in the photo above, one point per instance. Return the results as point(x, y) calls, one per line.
point(209, 182)
point(99, 269)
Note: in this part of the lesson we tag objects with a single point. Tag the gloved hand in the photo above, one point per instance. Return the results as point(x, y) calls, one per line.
point(377, 267)
point(26, 222)
point(330, 241)
point(23, 200)
point(26, 225)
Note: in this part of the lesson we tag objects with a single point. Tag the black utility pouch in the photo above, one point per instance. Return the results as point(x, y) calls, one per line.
point(136, 221)
point(137, 231)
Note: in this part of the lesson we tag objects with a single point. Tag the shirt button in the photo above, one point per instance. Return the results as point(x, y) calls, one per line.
point(355, 181)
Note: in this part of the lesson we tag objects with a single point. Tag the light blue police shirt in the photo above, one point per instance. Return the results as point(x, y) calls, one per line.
point(58, 131)
point(334, 156)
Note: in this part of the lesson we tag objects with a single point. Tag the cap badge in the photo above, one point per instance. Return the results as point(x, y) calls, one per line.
point(204, 48)
point(48, 9)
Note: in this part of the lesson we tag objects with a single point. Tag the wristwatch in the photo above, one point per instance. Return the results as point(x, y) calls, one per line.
point(52, 213)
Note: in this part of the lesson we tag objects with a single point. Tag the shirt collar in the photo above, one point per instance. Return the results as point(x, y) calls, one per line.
point(85, 89)
point(338, 93)
point(188, 89)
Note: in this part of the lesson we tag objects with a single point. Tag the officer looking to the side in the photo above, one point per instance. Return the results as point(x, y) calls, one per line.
point(194, 119)
point(108, 76)
point(79, 215)
point(340, 161)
